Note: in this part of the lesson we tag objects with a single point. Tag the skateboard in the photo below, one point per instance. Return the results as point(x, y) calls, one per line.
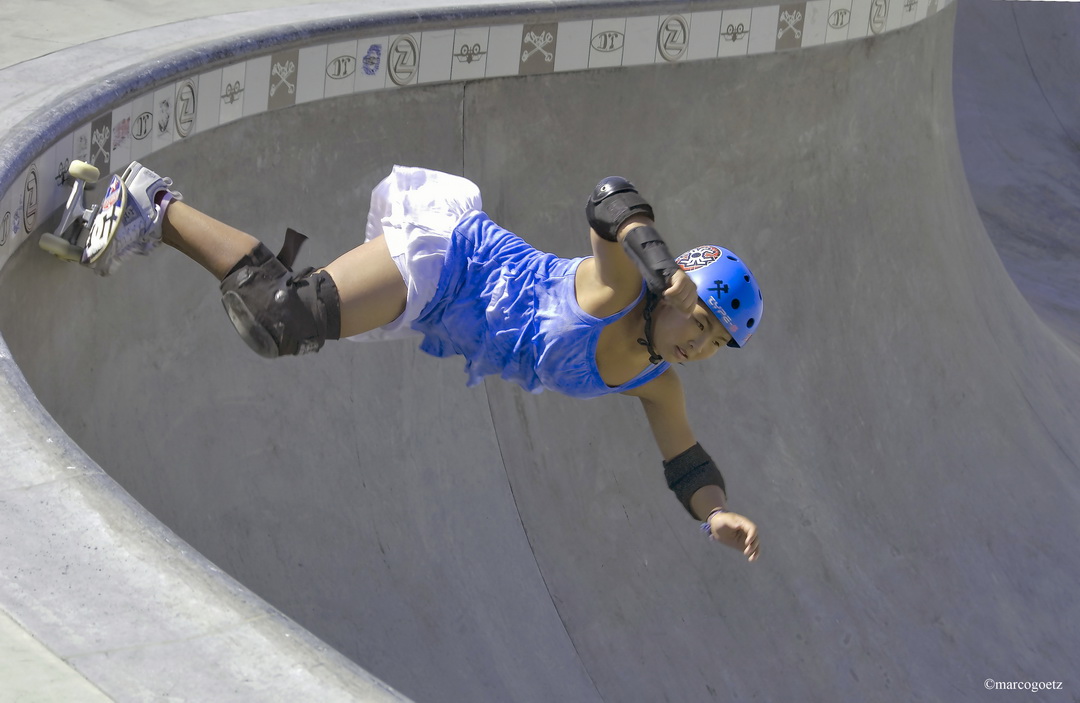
point(67, 242)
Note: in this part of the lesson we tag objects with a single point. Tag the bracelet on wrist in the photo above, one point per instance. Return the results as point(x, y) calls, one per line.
point(706, 527)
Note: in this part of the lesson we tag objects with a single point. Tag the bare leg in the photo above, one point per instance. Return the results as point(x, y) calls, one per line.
point(372, 291)
point(369, 284)
point(212, 244)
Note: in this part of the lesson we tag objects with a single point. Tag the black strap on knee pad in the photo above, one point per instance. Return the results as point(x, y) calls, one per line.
point(614, 201)
point(648, 251)
point(258, 256)
point(290, 248)
point(691, 471)
point(279, 312)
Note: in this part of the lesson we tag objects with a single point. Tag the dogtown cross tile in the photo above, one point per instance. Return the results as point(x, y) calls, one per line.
point(101, 143)
point(789, 31)
point(282, 88)
point(538, 43)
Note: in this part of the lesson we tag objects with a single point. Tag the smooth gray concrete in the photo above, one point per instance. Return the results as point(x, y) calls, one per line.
point(128, 607)
point(902, 428)
point(1020, 135)
point(32, 674)
point(35, 29)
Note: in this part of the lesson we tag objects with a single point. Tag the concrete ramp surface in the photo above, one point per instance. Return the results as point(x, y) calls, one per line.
point(903, 428)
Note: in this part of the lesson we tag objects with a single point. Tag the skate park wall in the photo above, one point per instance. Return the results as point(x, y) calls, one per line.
point(890, 428)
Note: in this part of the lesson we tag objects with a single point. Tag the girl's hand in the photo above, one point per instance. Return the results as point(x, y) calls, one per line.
point(735, 531)
point(681, 293)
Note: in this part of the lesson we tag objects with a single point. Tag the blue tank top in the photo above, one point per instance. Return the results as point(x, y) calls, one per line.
point(512, 310)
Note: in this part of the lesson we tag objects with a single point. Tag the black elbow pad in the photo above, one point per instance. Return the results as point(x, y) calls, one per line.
point(614, 201)
point(690, 471)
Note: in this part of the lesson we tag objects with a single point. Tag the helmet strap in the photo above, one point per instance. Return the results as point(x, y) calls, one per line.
point(651, 299)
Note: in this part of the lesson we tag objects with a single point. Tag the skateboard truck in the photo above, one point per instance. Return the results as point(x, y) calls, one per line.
point(63, 243)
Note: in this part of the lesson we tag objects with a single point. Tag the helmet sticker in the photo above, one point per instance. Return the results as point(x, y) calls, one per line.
point(720, 288)
point(699, 257)
point(722, 314)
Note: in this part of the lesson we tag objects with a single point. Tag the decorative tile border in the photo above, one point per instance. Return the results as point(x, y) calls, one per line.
point(195, 104)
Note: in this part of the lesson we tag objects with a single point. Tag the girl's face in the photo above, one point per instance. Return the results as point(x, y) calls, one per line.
point(680, 337)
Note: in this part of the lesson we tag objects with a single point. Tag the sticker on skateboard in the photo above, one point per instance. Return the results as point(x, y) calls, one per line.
point(104, 225)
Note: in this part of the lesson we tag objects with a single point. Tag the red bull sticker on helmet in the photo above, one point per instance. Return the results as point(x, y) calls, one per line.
point(699, 257)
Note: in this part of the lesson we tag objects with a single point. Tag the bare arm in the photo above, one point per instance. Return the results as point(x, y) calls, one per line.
point(609, 281)
point(665, 409)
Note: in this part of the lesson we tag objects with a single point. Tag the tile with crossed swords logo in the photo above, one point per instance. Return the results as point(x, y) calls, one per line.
point(539, 41)
point(283, 72)
point(790, 19)
point(101, 144)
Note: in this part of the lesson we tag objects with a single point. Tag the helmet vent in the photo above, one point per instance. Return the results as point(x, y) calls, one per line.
point(735, 304)
point(746, 278)
point(732, 257)
point(750, 322)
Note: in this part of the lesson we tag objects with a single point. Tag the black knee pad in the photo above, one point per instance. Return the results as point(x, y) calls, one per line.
point(279, 312)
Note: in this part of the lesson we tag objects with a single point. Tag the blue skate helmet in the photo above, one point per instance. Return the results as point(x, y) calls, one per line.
point(727, 287)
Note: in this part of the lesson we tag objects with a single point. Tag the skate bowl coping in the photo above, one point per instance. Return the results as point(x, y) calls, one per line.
point(96, 571)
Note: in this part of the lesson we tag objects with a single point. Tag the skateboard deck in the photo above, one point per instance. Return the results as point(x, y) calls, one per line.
point(107, 221)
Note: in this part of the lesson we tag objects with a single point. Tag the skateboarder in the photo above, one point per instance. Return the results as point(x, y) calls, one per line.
point(434, 265)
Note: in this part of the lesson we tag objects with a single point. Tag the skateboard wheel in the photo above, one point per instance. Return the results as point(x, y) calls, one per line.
point(84, 171)
point(59, 247)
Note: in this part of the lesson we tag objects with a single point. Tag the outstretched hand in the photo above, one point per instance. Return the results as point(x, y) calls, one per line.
point(681, 292)
point(735, 531)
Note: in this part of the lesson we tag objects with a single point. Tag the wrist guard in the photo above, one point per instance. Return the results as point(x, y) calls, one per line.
point(649, 252)
point(690, 471)
point(613, 202)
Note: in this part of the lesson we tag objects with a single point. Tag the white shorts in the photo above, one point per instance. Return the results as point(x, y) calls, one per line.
point(416, 210)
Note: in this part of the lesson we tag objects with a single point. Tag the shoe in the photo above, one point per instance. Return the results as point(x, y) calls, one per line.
point(128, 221)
